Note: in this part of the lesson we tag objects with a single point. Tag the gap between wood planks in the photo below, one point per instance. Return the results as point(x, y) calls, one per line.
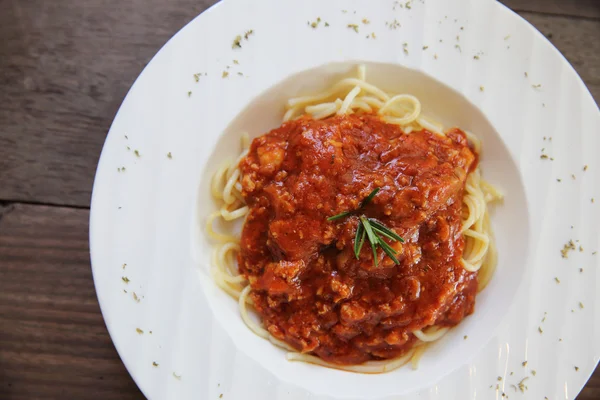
point(7, 204)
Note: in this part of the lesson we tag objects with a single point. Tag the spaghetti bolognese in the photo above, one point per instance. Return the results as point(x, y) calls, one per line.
point(366, 232)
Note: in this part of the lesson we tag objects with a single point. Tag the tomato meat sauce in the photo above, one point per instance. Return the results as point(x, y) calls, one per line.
point(307, 284)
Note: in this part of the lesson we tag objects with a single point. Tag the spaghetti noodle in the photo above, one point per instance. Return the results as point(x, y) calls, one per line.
point(346, 97)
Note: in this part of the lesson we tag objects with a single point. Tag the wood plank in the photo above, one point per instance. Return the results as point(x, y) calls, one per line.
point(591, 391)
point(575, 8)
point(66, 67)
point(53, 341)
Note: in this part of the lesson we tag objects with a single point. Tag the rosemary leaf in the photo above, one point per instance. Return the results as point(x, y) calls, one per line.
point(368, 199)
point(385, 231)
point(371, 236)
point(339, 216)
point(383, 244)
point(389, 251)
point(359, 240)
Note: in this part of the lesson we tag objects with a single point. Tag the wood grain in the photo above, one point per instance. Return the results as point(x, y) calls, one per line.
point(53, 342)
point(67, 65)
point(574, 8)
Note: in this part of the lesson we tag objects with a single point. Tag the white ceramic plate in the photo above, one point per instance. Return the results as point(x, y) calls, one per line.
point(474, 64)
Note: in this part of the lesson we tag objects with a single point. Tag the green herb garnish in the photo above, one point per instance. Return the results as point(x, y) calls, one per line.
point(339, 216)
point(237, 42)
point(359, 240)
point(370, 197)
point(373, 230)
point(371, 236)
point(382, 229)
point(363, 203)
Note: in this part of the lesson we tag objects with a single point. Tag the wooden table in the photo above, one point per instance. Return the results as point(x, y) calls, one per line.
point(65, 67)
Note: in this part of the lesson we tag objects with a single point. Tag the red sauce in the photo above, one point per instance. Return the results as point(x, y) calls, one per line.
point(307, 285)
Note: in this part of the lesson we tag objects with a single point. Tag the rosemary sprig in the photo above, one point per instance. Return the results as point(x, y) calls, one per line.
point(375, 232)
point(372, 230)
point(363, 203)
